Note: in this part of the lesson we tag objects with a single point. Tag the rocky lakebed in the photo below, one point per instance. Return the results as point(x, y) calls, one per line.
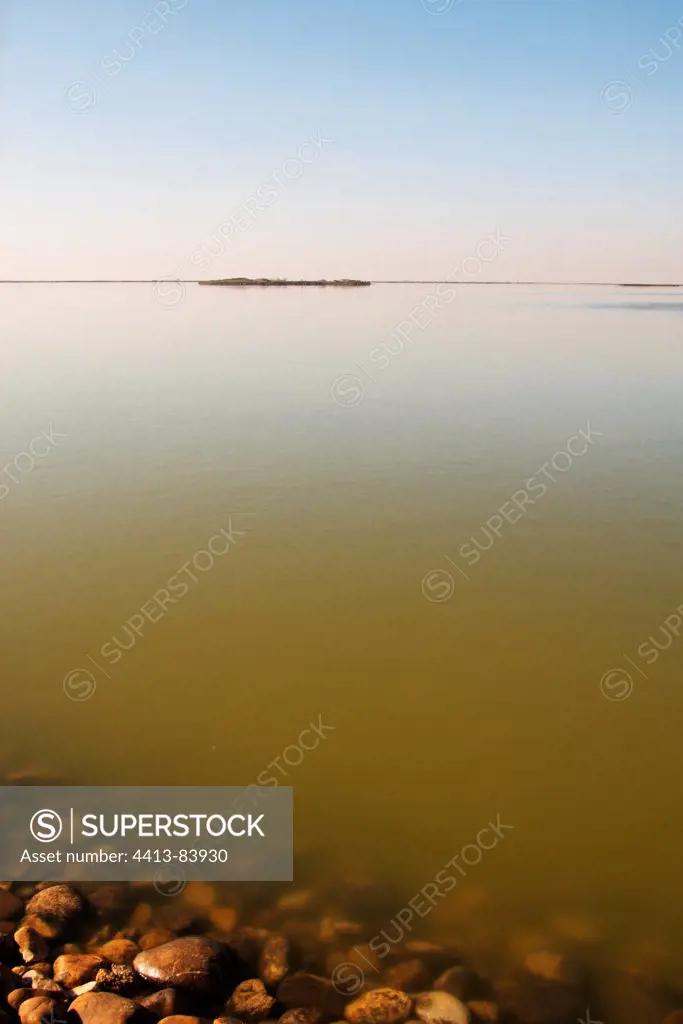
point(113, 953)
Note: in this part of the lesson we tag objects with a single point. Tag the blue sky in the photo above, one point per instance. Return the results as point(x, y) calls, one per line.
point(131, 136)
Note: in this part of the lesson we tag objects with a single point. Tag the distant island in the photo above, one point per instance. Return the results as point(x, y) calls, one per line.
point(283, 282)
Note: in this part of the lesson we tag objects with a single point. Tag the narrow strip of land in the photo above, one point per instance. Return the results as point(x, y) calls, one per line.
point(322, 284)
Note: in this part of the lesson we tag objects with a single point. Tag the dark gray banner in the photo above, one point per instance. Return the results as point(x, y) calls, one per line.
point(146, 833)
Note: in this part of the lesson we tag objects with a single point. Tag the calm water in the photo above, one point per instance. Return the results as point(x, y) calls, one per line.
point(481, 698)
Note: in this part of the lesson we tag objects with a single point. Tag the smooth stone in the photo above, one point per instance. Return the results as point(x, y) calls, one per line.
point(38, 1009)
point(106, 1008)
point(140, 920)
point(180, 1018)
point(200, 894)
point(440, 1008)
point(59, 903)
point(274, 960)
point(301, 1016)
point(163, 1003)
point(551, 966)
point(156, 937)
point(407, 976)
point(381, 1006)
point(190, 962)
point(296, 900)
point(76, 969)
point(224, 919)
point(460, 982)
point(20, 995)
point(119, 951)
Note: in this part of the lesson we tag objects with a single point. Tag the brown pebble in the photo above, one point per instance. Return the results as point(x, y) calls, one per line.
point(381, 1006)
point(60, 904)
point(155, 937)
point(301, 1015)
point(38, 1009)
point(32, 946)
point(163, 1003)
point(19, 995)
point(223, 918)
point(332, 929)
point(76, 969)
point(112, 896)
point(250, 1001)
point(48, 929)
point(459, 982)
point(191, 962)
point(200, 894)
point(140, 920)
point(274, 960)
point(176, 917)
point(296, 900)
point(180, 1018)
point(119, 951)
point(551, 966)
point(407, 976)
point(105, 1008)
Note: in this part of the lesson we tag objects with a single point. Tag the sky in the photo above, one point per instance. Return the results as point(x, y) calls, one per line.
point(383, 139)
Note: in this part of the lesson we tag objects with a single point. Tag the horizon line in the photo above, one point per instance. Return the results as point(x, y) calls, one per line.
point(179, 280)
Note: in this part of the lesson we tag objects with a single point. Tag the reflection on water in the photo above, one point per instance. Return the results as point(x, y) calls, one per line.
point(497, 698)
point(645, 307)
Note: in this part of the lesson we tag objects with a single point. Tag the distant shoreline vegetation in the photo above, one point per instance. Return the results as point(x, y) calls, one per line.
point(283, 282)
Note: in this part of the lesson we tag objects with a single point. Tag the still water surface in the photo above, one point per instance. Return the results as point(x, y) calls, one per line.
point(451, 690)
